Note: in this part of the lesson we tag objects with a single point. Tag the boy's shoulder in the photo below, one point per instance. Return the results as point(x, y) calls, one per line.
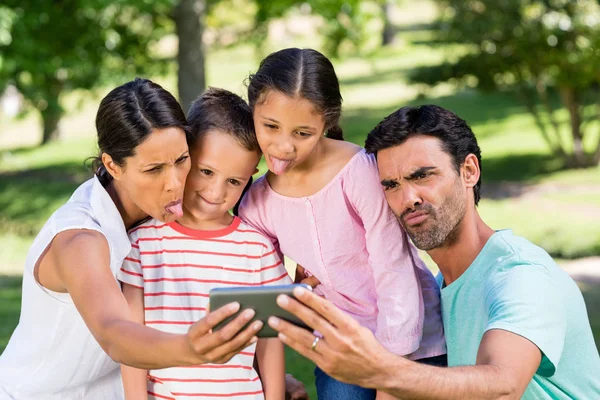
point(252, 234)
point(147, 227)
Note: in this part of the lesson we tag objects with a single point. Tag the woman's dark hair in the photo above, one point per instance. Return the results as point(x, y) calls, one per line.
point(228, 113)
point(456, 136)
point(128, 115)
point(304, 73)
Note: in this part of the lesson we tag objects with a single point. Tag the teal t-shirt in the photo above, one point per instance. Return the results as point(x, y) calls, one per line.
point(515, 286)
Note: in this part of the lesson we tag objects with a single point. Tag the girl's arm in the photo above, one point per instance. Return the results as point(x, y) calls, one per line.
point(399, 298)
point(80, 260)
point(134, 379)
point(271, 363)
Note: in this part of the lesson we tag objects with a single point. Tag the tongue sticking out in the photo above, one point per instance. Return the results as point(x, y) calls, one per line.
point(175, 209)
point(279, 166)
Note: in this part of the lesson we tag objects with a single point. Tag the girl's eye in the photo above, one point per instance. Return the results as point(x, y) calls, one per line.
point(303, 134)
point(207, 172)
point(234, 182)
point(422, 176)
point(271, 126)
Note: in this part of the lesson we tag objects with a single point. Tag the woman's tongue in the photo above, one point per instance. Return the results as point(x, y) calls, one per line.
point(175, 209)
point(279, 166)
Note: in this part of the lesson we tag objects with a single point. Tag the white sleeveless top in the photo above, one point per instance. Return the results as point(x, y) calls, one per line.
point(52, 354)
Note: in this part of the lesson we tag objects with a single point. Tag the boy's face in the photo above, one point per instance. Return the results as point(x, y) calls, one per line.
point(221, 167)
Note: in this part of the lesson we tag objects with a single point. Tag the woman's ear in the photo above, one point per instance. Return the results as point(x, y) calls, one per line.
point(471, 171)
point(114, 169)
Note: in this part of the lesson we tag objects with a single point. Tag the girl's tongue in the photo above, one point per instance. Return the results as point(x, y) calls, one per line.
point(175, 209)
point(279, 166)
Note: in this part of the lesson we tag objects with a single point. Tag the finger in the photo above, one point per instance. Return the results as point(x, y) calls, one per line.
point(308, 316)
point(298, 339)
point(204, 341)
point(211, 319)
point(226, 345)
point(325, 308)
point(311, 281)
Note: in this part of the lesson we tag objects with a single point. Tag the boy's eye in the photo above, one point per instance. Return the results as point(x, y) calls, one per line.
point(422, 175)
point(207, 172)
point(234, 182)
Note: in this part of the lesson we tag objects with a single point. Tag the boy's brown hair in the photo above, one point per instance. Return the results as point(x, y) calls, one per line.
point(225, 111)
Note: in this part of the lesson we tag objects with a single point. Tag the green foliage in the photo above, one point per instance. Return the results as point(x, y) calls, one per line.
point(539, 49)
point(50, 48)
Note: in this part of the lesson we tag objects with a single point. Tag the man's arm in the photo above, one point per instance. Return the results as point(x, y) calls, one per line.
point(349, 352)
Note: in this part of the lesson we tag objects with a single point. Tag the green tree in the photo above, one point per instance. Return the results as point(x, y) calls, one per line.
point(540, 49)
point(50, 48)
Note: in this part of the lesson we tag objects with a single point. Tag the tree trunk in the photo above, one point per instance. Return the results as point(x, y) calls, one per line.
point(51, 118)
point(571, 100)
point(189, 22)
point(388, 29)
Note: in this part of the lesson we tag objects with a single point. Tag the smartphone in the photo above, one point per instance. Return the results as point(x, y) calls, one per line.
point(262, 299)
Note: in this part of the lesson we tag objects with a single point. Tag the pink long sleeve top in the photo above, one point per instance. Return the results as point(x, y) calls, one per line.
point(347, 237)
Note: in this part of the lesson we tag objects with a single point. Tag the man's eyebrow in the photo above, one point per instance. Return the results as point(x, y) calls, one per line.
point(419, 171)
point(388, 182)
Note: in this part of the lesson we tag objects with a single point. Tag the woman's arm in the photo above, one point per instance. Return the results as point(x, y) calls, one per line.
point(134, 379)
point(271, 363)
point(81, 259)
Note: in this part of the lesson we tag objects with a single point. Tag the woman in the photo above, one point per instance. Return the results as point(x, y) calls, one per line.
point(74, 326)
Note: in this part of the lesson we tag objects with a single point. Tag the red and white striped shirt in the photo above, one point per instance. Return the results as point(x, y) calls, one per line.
point(176, 267)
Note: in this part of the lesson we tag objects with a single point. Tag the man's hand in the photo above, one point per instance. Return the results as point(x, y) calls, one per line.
point(347, 351)
point(294, 389)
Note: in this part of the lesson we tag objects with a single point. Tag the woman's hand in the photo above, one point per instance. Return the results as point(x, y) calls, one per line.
point(218, 347)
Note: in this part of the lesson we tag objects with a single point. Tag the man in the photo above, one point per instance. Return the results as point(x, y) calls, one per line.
point(515, 323)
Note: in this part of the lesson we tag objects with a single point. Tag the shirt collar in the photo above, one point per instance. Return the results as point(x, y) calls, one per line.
point(110, 220)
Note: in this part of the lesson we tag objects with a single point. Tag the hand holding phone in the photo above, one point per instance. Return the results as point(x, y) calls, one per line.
point(262, 299)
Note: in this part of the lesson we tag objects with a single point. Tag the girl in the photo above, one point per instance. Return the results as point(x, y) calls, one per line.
point(322, 205)
point(173, 266)
point(74, 319)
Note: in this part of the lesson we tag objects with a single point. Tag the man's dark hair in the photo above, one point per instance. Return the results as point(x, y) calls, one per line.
point(456, 136)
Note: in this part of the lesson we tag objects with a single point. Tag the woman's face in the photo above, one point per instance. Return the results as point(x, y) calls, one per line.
point(151, 181)
point(288, 130)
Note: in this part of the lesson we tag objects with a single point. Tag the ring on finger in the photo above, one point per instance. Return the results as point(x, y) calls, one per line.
point(315, 343)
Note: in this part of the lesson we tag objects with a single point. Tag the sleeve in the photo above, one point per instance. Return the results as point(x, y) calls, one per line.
point(399, 299)
point(253, 211)
point(272, 270)
point(131, 270)
point(524, 300)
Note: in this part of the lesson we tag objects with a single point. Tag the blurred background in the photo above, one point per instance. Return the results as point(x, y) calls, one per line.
point(525, 74)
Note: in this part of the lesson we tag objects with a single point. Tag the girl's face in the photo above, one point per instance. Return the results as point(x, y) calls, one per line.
point(288, 130)
point(152, 180)
point(221, 167)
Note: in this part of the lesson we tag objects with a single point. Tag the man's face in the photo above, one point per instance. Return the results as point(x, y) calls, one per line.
point(424, 190)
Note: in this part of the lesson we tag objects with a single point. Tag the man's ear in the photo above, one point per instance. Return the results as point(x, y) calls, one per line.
point(114, 169)
point(470, 170)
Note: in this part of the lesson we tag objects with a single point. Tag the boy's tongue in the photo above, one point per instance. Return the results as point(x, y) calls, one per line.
point(175, 209)
point(279, 166)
